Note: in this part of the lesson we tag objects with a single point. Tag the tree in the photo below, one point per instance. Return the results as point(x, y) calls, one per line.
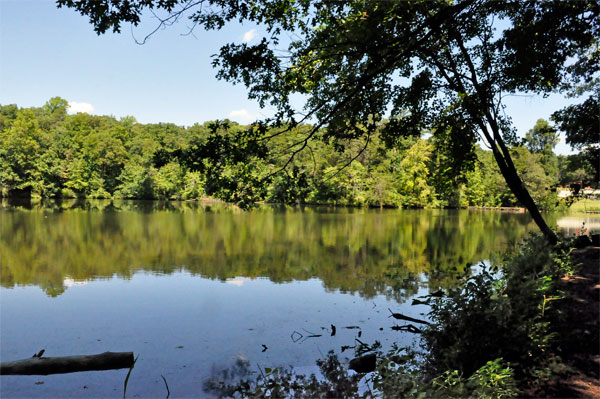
point(575, 168)
point(531, 168)
point(581, 123)
point(168, 181)
point(56, 105)
point(439, 65)
point(19, 147)
point(136, 181)
point(8, 113)
point(475, 188)
point(413, 173)
point(541, 140)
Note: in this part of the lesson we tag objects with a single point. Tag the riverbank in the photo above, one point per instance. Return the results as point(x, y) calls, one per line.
point(580, 329)
point(586, 205)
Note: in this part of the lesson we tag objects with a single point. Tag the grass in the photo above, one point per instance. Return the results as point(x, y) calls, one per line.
point(583, 205)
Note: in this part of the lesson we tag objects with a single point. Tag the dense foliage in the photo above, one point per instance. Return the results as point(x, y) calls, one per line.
point(581, 123)
point(442, 65)
point(46, 152)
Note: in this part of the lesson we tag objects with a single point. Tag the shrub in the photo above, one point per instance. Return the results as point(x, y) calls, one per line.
point(500, 313)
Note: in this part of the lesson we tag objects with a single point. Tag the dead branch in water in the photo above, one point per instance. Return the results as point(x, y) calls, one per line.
point(38, 365)
point(400, 316)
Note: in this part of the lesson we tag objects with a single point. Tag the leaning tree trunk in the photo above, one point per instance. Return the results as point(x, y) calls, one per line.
point(520, 191)
point(516, 185)
point(482, 113)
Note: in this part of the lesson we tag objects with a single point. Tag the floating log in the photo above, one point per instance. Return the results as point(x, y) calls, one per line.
point(68, 364)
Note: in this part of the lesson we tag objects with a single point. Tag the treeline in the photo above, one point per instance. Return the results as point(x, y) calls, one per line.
point(48, 153)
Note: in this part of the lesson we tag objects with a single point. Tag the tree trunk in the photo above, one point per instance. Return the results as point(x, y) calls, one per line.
point(483, 115)
point(520, 191)
point(68, 364)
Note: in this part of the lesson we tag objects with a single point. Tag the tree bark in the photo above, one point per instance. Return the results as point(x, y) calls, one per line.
point(68, 364)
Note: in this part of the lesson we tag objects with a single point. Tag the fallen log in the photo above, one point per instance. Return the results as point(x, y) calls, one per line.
point(38, 365)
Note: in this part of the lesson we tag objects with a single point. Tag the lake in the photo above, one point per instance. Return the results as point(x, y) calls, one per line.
point(202, 290)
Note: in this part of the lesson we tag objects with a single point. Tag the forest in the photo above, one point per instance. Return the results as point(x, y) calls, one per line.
point(403, 104)
point(47, 152)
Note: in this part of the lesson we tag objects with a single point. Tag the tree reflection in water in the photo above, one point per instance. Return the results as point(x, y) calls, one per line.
point(364, 251)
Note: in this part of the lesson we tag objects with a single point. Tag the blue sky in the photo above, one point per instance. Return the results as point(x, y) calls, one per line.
point(47, 52)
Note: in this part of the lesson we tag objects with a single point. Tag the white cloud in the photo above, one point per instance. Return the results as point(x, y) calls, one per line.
point(75, 107)
point(242, 116)
point(248, 36)
point(69, 282)
point(237, 281)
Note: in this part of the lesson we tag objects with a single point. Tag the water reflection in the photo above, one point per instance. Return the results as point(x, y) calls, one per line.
point(58, 244)
point(127, 276)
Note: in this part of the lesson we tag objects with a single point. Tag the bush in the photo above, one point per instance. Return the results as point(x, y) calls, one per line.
point(494, 380)
point(500, 313)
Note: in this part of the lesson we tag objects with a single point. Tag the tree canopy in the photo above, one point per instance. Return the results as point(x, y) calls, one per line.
point(581, 123)
point(402, 67)
point(47, 153)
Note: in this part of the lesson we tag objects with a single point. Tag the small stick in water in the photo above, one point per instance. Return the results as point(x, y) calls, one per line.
point(400, 316)
point(167, 386)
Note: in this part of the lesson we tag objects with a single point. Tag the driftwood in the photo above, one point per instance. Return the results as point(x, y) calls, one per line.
point(400, 316)
point(409, 328)
point(38, 365)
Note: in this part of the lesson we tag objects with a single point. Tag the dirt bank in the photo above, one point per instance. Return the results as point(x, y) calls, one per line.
point(579, 329)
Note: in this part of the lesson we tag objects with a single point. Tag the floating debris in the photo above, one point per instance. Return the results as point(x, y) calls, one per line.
point(312, 334)
point(400, 316)
point(344, 347)
point(296, 336)
point(408, 328)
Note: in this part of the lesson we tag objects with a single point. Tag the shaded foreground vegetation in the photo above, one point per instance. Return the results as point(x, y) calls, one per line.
point(44, 152)
point(503, 333)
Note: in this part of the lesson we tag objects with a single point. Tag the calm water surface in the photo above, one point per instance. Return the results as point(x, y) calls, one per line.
point(195, 289)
